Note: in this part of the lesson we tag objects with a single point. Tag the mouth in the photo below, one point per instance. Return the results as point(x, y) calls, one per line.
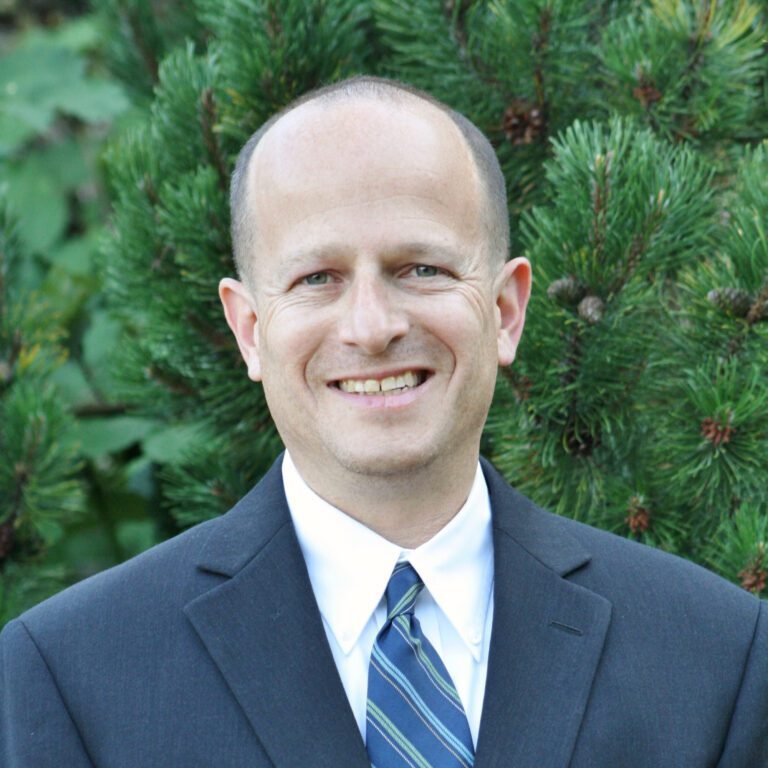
point(385, 385)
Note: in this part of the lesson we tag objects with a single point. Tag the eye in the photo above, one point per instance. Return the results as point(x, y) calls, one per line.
point(317, 278)
point(425, 270)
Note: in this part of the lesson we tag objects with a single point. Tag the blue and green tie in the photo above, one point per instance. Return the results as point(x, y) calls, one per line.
point(415, 717)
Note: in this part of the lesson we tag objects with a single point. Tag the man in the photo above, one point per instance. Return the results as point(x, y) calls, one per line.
point(380, 597)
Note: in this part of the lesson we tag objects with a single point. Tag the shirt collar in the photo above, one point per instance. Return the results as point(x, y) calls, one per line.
point(349, 565)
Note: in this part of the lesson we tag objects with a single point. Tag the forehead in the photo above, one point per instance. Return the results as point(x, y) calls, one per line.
point(363, 148)
point(362, 128)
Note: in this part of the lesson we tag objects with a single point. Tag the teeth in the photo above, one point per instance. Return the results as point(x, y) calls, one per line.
point(372, 386)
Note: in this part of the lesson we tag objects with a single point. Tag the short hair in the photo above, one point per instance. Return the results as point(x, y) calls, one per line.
point(243, 229)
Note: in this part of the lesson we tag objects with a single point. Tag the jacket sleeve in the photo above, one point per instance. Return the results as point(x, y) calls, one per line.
point(36, 730)
point(746, 745)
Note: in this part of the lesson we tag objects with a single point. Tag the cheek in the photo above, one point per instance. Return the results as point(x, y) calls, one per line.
point(288, 344)
point(465, 326)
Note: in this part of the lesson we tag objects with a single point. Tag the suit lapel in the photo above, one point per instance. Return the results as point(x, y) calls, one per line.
point(547, 638)
point(263, 630)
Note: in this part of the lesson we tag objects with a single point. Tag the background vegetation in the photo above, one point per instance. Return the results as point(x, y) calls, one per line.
point(632, 138)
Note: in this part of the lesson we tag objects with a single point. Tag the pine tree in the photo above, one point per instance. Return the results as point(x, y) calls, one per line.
point(39, 493)
point(629, 135)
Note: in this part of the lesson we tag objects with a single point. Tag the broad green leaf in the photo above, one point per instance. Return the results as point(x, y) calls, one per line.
point(140, 474)
point(35, 72)
point(13, 134)
point(135, 536)
point(76, 254)
point(79, 35)
point(170, 445)
point(72, 384)
point(99, 342)
point(108, 435)
point(41, 75)
point(64, 161)
point(66, 293)
point(15, 129)
point(40, 204)
point(92, 100)
point(50, 530)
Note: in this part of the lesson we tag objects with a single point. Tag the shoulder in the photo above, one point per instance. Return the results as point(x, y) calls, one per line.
point(151, 588)
point(151, 585)
point(636, 579)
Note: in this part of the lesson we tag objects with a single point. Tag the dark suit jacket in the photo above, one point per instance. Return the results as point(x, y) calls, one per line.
point(209, 650)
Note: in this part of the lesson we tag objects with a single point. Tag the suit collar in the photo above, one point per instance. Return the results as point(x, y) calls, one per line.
point(350, 565)
point(541, 534)
point(237, 537)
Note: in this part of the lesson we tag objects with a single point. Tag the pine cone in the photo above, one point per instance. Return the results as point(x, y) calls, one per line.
point(591, 309)
point(523, 122)
point(759, 309)
point(716, 432)
point(566, 290)
point(646, 94)
point(754, 577)
point(734, 301)
point(638, 517)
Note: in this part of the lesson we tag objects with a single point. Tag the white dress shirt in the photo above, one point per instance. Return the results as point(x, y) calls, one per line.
point(349, 566)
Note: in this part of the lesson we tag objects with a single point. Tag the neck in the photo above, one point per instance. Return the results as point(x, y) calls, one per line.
point(407, 509)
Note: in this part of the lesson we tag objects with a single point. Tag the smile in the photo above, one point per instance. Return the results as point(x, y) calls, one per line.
point(388, 385)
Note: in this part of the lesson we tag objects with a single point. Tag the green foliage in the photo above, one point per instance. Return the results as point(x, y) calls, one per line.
point(38, 491)
point(646, 412)
point(713, 402)
point(626, 210)
point(43, 77)
point(268, 53)
point(718, 436)
point(43, 82)
point(59, 520)
point(738, 547)
point(142, 33)
point(691, 70)
point(518, 70)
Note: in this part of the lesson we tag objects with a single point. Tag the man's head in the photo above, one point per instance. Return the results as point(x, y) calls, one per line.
point(245, 241)
point(374, 311)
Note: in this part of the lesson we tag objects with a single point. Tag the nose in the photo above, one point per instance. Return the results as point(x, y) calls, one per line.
point(372, 317)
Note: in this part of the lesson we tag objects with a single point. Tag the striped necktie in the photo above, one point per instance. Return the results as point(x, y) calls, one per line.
point(414, 715)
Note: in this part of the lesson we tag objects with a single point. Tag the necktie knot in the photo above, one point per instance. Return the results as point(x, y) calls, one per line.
point(403, 589)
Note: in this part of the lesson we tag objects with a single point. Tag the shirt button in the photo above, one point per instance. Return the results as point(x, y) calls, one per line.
point(475, 636)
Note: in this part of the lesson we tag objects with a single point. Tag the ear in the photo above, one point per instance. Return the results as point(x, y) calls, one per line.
point(513, 289)
point(240, 311)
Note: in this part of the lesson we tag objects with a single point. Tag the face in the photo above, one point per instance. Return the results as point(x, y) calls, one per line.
point(377, 317)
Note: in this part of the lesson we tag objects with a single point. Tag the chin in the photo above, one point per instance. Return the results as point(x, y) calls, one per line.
point(390, 464)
